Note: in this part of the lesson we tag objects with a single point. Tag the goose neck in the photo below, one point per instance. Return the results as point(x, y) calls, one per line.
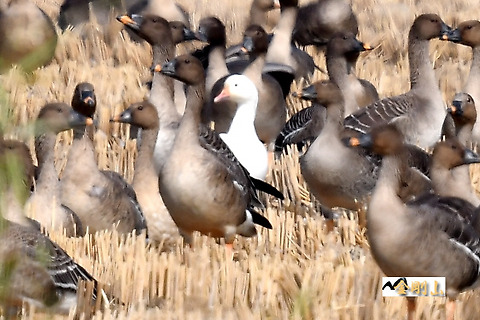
point(161, 94)
point(144, 163)
point(254, 69)
point(244, 118)
point(193, 110)
point(279, 50)
point(473, 80)
point(45, 151)
point(421, 71)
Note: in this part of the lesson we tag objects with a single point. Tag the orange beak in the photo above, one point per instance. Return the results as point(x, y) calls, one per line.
point(244, 50)
point(115, 119)
point(223, 95)
point(126, 20)
point(89, 121)
point(88, 99)
point(157, 68)
point(354, 142)
point(276, 4)
point(366, 46)
point(453, 109)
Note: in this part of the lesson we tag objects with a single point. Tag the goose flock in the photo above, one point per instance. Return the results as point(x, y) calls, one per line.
point(208, 131)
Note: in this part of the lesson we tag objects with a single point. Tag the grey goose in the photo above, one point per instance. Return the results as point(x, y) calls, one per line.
point(342, 52)
point(203, 185)
point(468, 33)
point(409, 239)
point(161, 228)
point(420, 112)
point(45, 204)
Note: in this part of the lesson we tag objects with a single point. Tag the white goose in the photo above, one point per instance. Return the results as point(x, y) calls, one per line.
point(242, 137)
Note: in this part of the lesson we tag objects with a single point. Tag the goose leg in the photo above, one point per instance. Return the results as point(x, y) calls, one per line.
point(450, 308)
point(411, 306)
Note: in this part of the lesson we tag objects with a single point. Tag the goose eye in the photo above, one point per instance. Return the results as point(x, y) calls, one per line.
point(59, 110)
point(140, 108)
point(454, 147)
point(187, 61)
point(469, 27)
point(433, 20)
point(345, 37)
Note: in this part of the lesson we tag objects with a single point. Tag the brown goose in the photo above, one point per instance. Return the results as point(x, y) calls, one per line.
point(318, 21)
point(28, 35)
point(468, 33)
point(212, 30)
point(342, 51)
point(449, 156)
point(157, 32)
point(464, 115)
point(202, 177)
point(341, 177)
point(409, 240)
point(45, 204)
point(338, 176)
point(449, 177)
point(161, 227)
point(420, 112)
point(42, 273)
point(103, 200)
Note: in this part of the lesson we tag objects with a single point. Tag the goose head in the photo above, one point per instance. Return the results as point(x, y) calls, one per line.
point(266, 5)
point(428, 26)
point(347, 45)
point(255, 40)
point(185, 68)
point(324, 92)
point(383, 140)
point(180, 32)
point(463, 109)
point(84, 100)
point(153, 29)
point(212, 30)
point(141, 114)
point(57, 117)
point(238, 88)
point(451, 153)
point(467, 33)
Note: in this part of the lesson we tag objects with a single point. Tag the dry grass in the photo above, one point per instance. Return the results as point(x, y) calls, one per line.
point(298, 270)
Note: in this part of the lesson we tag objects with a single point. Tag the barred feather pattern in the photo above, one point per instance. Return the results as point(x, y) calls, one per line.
point(303, 127)
point(381, 112)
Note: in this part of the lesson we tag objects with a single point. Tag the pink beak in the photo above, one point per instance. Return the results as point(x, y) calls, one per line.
point(223, 95)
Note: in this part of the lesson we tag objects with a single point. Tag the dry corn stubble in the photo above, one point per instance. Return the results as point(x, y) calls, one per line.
point(297, 270)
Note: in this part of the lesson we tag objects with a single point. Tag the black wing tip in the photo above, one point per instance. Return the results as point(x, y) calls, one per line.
point(265, 187)
point(257, 218)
